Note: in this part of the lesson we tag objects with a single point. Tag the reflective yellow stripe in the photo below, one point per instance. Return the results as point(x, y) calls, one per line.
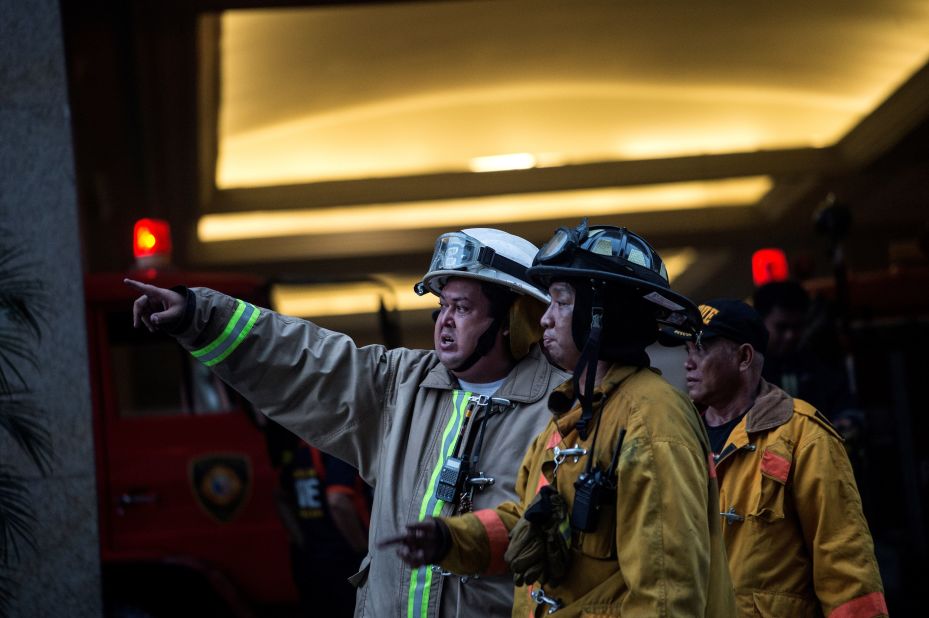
point(238, 340)
point(240, 309)
point(421, 578)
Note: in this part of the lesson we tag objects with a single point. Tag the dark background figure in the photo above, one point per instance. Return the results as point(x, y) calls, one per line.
point(804, 355)
point(325, 507)
point(807, 357)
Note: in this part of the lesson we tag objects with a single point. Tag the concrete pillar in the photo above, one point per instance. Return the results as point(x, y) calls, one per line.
point(38, 204)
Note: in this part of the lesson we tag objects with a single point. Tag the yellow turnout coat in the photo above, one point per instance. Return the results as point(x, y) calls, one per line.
point(798, 543)
point(657, 549)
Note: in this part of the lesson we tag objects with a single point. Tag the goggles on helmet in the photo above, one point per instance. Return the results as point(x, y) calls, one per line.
point(457, 251)
point(594, 240)
point(615, 256)
point(562, 244)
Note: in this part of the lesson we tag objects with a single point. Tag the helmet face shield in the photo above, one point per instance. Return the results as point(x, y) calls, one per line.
point(485, 254)
point(455, 251)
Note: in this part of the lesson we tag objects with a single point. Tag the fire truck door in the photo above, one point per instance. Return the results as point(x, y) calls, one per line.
point(186, 472)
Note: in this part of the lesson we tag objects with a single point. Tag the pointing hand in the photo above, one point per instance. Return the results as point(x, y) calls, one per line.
point(156, 307)
point(425, 542)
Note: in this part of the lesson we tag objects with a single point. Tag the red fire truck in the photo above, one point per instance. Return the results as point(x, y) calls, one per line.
point(188, 524)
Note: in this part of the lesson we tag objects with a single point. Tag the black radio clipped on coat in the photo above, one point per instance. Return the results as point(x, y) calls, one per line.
point(460, 476)
point(591, 491)
point(451, 479)
point(594, 488)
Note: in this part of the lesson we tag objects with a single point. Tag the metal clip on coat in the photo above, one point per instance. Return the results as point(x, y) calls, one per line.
point(563, 453)
point(501, 402)
point(480, 482)
point(541, 598)
point(479, 400)
point(731, 515)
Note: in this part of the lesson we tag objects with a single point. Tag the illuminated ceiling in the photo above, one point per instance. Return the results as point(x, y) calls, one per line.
point(493, 210)
point(416, 88)
point(349, 136)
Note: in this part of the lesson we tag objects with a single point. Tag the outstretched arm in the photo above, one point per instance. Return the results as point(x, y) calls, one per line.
point(315, 382)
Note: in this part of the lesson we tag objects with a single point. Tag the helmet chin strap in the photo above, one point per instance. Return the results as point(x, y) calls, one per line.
point(588, 362)
point(484, 343)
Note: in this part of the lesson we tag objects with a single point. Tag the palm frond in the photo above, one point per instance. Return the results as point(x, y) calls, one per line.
point(23, 305)
point(22, 297)
point(7, 587)
point(18, 416)
point(22, 312)
point(13, 347)
point(16, 517)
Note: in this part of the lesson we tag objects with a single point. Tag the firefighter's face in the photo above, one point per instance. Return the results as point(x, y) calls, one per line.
point(712, 371)
point(556, 322)
point(464, 315)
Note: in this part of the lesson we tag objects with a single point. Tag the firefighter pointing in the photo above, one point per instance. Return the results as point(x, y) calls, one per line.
point(406, 419)
point(618, 508)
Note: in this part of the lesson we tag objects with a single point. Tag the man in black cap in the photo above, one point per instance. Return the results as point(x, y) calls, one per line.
point(728, 325)
point(796, 538)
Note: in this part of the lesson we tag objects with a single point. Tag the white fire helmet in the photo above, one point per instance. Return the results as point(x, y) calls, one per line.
point(485, 254)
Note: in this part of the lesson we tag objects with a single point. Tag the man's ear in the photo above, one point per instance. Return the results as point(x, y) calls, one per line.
point(746, 356)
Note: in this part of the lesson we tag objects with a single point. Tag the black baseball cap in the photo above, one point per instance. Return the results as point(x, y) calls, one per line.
point(734, 320)
point(728, 318)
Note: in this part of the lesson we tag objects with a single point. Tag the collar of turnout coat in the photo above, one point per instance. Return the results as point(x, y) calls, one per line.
point(527, 382)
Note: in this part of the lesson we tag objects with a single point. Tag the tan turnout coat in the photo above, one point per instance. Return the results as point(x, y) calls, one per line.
point(390, 413)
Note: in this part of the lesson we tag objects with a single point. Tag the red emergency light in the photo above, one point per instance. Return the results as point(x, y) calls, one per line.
point(151, 238)
point(769, 265)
